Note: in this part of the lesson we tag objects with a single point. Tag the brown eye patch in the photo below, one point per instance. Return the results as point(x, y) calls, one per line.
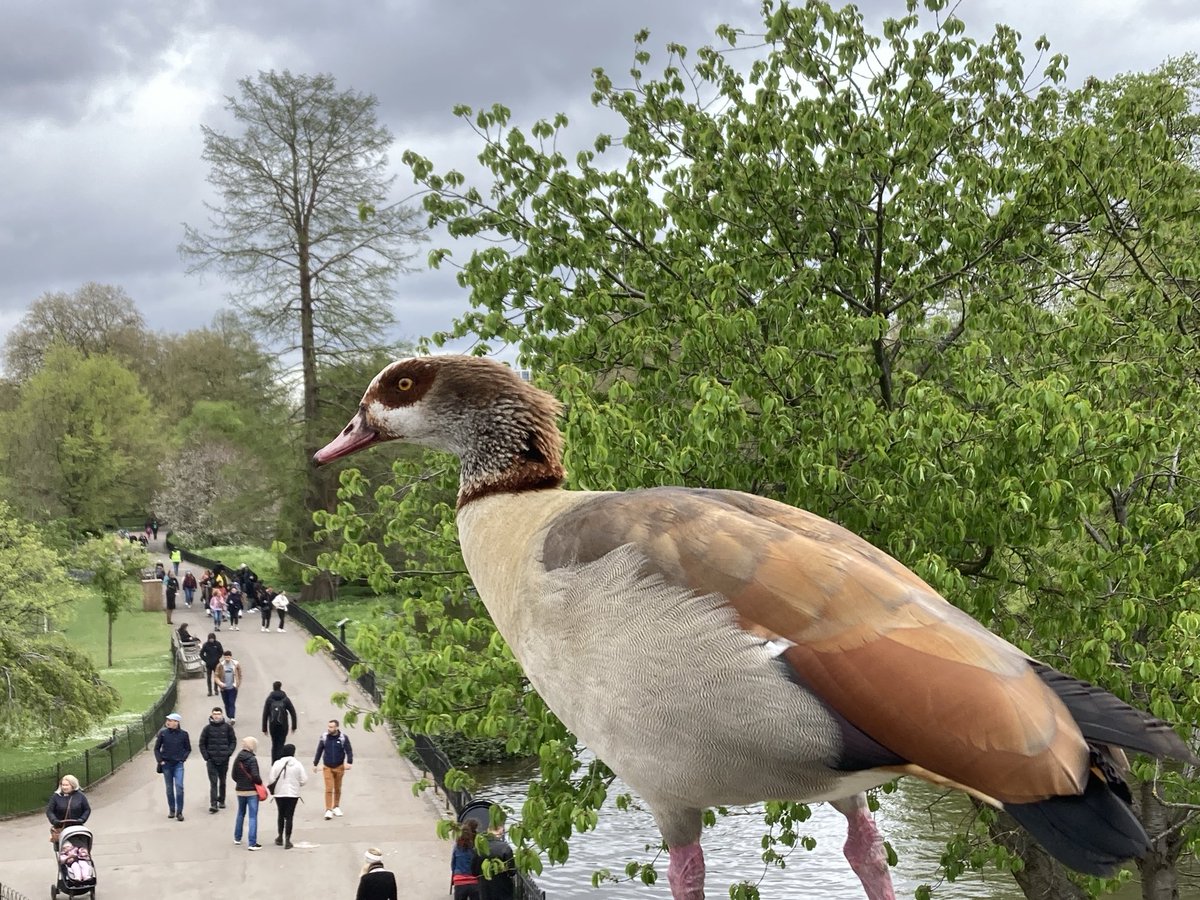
point(404, 383)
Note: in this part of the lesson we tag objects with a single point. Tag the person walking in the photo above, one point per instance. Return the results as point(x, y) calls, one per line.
point(281, 607)
point(206, 586)
point(234, 606)
point(245, 777)
point(501, 885)
point(277, 710)
point(154, 526)
point(171, 748)
point(189, 588)
point(375, 882)
point(176, 559)
point(265, 596)
point(217, 743)
point(464, 863)
point(337, 756)
point(287, 777)
point(67, 806)
point(211, 652)
point(229, 679)
point(172, 588)
point(216, 607)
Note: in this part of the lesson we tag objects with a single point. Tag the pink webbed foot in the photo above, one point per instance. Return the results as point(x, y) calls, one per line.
point(685, 872)
point(864, 849)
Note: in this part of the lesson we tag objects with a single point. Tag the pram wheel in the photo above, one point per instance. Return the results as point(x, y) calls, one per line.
point(53, 892)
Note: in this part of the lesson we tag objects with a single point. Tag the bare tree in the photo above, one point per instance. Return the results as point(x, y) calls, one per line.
point(305, 226)
point(94, 319)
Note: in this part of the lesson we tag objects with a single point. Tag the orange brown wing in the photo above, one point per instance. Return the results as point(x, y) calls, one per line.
point(867, 636)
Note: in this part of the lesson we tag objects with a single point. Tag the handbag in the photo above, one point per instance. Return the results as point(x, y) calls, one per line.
point(259, 788)
point(271, 786)
point(56, 830)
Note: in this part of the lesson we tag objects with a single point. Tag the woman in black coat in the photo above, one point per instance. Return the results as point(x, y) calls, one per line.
point(245, 775)
point(68, 805)
point(376, 883)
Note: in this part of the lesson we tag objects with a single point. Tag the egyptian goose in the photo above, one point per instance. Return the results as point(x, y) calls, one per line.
point(717, 648)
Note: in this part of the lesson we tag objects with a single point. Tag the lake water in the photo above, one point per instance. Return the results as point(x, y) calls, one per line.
point(916, 820)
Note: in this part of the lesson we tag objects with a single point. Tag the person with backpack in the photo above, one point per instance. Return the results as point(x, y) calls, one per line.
point(277, 709)
point(336, 754)
point(217, 743)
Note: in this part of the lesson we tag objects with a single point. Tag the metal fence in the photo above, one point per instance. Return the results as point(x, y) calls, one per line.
point(26, 792)
point(7, 893)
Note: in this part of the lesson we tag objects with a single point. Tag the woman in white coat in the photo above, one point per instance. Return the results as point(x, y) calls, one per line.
point(286, 779)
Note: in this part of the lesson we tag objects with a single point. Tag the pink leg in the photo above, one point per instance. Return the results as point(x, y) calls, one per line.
point(685, 873)
point(864, 849)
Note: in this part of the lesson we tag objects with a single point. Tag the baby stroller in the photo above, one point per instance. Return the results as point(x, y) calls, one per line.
point(76, 870)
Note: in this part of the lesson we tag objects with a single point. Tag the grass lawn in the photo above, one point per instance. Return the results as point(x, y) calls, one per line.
point(263, 562)
point(142, 669)
point(357, 610)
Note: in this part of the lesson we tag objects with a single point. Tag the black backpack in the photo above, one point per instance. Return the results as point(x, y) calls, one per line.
point(278, 714)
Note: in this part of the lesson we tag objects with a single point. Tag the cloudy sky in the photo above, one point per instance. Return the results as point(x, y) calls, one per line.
point(101, 104)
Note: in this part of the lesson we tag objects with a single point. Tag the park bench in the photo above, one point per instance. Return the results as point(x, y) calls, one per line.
point(187, 657)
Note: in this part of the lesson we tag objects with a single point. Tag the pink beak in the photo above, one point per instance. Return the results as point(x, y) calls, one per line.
point(353, 437)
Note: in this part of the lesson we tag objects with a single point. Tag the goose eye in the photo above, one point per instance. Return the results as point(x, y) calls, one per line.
point(404, 384)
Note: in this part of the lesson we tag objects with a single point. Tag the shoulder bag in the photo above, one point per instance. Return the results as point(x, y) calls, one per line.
point(271, 786)
point(259, 788)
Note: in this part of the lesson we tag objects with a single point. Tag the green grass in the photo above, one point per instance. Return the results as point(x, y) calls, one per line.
point(264, 563)
point(142, 669)
point(330, 612)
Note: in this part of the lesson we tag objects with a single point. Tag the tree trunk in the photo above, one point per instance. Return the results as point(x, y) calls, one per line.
point(1160, 879)
point(110, 631)
point(319, 492)
point(1043, 877)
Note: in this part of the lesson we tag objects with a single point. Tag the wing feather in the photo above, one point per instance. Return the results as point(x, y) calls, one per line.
point(868, 636)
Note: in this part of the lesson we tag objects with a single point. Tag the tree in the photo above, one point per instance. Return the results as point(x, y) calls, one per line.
point(215, 491)
point(222, 363)
point(83, 442)
point(905, 281)
point(96, 319)
point(51, 689)
point(114, 562)
point(306, 227)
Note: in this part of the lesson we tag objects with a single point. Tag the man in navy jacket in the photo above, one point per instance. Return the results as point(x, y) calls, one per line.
point(336, 754)
point(171, 749)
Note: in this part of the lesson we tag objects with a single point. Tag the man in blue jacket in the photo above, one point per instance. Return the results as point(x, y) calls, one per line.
point(171, 749)
point(335, 753)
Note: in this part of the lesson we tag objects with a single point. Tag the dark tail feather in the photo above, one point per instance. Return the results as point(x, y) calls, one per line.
point(1105, 719)
point(1093, 833)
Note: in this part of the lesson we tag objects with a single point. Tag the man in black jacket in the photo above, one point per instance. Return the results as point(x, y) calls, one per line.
point(211, 652)
point(500, 886)
point(217, 743)
point(277, 710)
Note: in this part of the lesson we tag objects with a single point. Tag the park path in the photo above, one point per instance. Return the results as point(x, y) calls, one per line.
point(141, 853)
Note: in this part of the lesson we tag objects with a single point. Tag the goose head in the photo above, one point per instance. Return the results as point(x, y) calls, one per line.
point(501, 428)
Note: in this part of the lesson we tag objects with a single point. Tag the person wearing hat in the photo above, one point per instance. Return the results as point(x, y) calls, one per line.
point(376, 882)
point(171, 749)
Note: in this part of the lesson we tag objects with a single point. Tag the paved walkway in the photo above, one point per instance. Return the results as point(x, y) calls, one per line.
point(141, 853)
